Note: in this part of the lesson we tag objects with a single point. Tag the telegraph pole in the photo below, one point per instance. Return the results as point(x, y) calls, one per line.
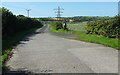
point(28, 11)
point(119, 8)
point(58, 11)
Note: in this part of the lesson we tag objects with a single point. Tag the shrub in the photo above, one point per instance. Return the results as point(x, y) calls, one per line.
point(56, 25)
point(107, 28)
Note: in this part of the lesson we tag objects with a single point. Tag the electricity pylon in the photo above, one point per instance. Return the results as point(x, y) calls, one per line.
point(58, 11)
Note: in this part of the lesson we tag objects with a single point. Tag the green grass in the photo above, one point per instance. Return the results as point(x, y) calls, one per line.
point(77, 26)
point(4, 56)
point(80, 32)
point(99, 39)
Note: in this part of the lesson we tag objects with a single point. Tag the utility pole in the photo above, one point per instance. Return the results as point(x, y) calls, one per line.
point(119, 8)
point(28, 11)
point(58, 11)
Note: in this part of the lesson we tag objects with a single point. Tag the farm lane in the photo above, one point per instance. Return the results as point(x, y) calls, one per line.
point(46, 53)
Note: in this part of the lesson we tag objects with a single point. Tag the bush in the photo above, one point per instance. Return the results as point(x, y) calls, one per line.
point(56, 25)
point(107, 28)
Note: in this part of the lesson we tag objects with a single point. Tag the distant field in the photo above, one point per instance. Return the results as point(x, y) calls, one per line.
point(77, 26)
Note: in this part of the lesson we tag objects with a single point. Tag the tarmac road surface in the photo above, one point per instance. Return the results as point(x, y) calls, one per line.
point(43, 52)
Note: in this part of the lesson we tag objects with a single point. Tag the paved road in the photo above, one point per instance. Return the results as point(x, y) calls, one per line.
point(42, 52)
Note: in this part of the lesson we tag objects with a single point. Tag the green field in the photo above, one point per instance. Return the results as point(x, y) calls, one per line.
point(77, 26)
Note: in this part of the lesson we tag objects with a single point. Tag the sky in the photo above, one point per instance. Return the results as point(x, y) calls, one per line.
point(60, 0)
point(71, 9)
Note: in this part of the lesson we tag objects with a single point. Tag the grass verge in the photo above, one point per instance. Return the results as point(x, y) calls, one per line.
point(81, 35)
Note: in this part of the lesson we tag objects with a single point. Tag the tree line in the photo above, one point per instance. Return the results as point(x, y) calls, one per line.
point(87, 18)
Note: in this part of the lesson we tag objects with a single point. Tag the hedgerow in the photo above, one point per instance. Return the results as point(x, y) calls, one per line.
point(107, 28)
point(12, 25)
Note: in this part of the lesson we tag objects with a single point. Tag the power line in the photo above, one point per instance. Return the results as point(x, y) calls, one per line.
point(28, 11)
point(58, 11)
